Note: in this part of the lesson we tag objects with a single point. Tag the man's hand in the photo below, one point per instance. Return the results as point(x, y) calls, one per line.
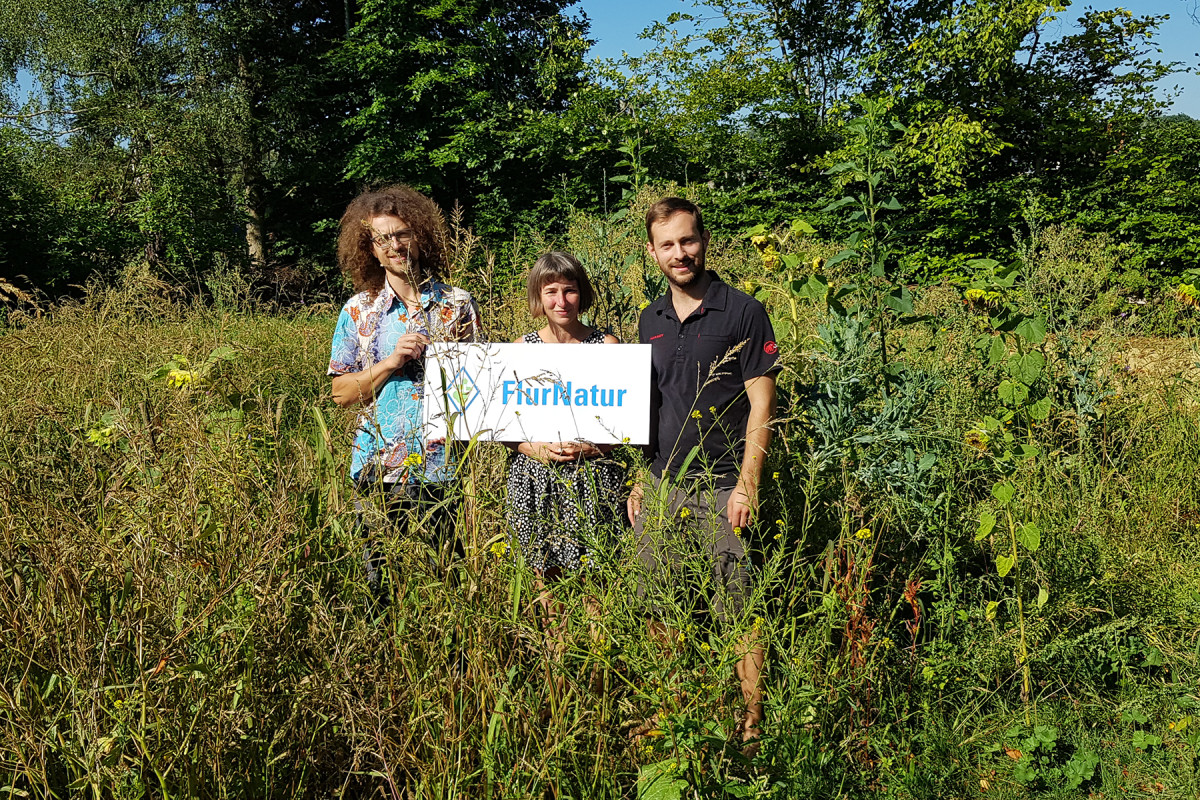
point(409, 347)
point(633, 506)
point(742, 506)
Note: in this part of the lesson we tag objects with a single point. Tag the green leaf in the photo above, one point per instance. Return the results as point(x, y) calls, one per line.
point(842, 256)
point(1003, 492)
point(1013, 393)
point(1030, 535)
point(223, 353)
point(1003, 565)
point(836, 204)
point(899, 300)
point(1144, 741)
point(1041, 409)
point(801, 226)
point(987, 522)
point(990, 612)
point(982, 263)
point(1042, 597)
point(657, 782)
point(997, 352)
point(1032, 329)
point(1029, 367)
point(816, 288)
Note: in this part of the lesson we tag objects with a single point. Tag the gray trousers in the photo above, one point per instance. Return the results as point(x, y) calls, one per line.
point(691, 534)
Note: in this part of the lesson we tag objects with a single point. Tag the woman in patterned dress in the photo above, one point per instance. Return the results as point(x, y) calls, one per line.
point(564, 498)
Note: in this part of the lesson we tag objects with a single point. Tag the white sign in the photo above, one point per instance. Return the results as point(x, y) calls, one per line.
point(596, 393)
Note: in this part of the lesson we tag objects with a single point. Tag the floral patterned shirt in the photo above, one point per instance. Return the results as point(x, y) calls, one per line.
point(391, 436)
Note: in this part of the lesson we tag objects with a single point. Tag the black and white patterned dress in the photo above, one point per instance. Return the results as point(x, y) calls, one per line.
point(561, 513)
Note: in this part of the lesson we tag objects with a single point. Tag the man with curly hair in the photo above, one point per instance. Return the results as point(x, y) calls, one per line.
point(392, 246)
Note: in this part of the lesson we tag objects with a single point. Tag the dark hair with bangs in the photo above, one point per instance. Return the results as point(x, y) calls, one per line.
point(668, 207)
point(558, 266)
point(355, 254)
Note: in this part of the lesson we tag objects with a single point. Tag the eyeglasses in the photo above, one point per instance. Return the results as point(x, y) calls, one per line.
point(395, 237)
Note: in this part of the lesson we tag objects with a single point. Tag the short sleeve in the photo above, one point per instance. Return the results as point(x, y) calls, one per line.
point(760, 354)
point(473, 331)
point(345, 355)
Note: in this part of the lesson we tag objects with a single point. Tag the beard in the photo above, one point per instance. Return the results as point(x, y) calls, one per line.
point(683, 279)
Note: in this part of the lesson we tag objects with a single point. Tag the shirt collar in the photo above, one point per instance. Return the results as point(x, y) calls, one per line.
point(714, 298)
point(431, 292)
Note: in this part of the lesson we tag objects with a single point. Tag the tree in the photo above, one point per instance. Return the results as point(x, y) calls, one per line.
point(184, 120)
point(456, 99)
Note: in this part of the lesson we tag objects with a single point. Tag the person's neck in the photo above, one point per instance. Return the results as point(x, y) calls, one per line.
point(576, 331)
point(687, 299)
point(409, 294)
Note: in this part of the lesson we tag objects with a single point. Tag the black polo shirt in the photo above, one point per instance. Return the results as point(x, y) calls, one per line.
point(699, 395)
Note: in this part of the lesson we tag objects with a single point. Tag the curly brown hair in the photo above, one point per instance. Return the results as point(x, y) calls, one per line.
point(355, 254)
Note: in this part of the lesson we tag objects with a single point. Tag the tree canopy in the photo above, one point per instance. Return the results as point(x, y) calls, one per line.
point(195, 136)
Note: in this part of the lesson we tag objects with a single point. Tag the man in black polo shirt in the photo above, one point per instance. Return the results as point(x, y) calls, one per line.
point(714, 364)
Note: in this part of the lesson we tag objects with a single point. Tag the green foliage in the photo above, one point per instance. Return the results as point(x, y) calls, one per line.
point(492, 82)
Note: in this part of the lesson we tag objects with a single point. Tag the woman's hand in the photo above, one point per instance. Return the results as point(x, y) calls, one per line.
point(558, 452)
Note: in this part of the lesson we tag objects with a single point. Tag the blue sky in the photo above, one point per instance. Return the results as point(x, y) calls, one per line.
point(617, 23)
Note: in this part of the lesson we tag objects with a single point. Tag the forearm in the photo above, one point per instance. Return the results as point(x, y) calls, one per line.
point(758, 431)
point(355, 388)
point(758, 439)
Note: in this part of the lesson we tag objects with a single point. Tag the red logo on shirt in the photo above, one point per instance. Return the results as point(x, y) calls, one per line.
point(770, 349)
point(659, 336)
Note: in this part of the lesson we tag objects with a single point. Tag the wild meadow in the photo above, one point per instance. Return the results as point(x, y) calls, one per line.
point(977, 569)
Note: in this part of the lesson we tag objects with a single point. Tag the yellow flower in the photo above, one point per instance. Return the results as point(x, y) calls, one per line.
point(696, 414)
point(775, 476)
point(737, 531)
point(779, 537)
point(704, 646)
point(779, 522)
point(413, 460)
point(181, 377)
point(816, 264)
point(625, 440)
point(499, 548)
point(712, 410)
point(862, 533)
point(684, 513)
point(642, 306)
point(977, 439)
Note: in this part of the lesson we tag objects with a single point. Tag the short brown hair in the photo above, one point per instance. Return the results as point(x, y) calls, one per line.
point(355, 256)
point(558, 266)
point(668, 207)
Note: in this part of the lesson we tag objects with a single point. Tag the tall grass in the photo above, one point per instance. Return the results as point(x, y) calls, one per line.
point(184, 612)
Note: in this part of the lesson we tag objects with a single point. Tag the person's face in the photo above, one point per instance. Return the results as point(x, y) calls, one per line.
point(560, 301)
point(394, 243)
point(678, 248)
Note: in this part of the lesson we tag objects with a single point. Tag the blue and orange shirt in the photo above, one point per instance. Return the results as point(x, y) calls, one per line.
point(391, 430)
